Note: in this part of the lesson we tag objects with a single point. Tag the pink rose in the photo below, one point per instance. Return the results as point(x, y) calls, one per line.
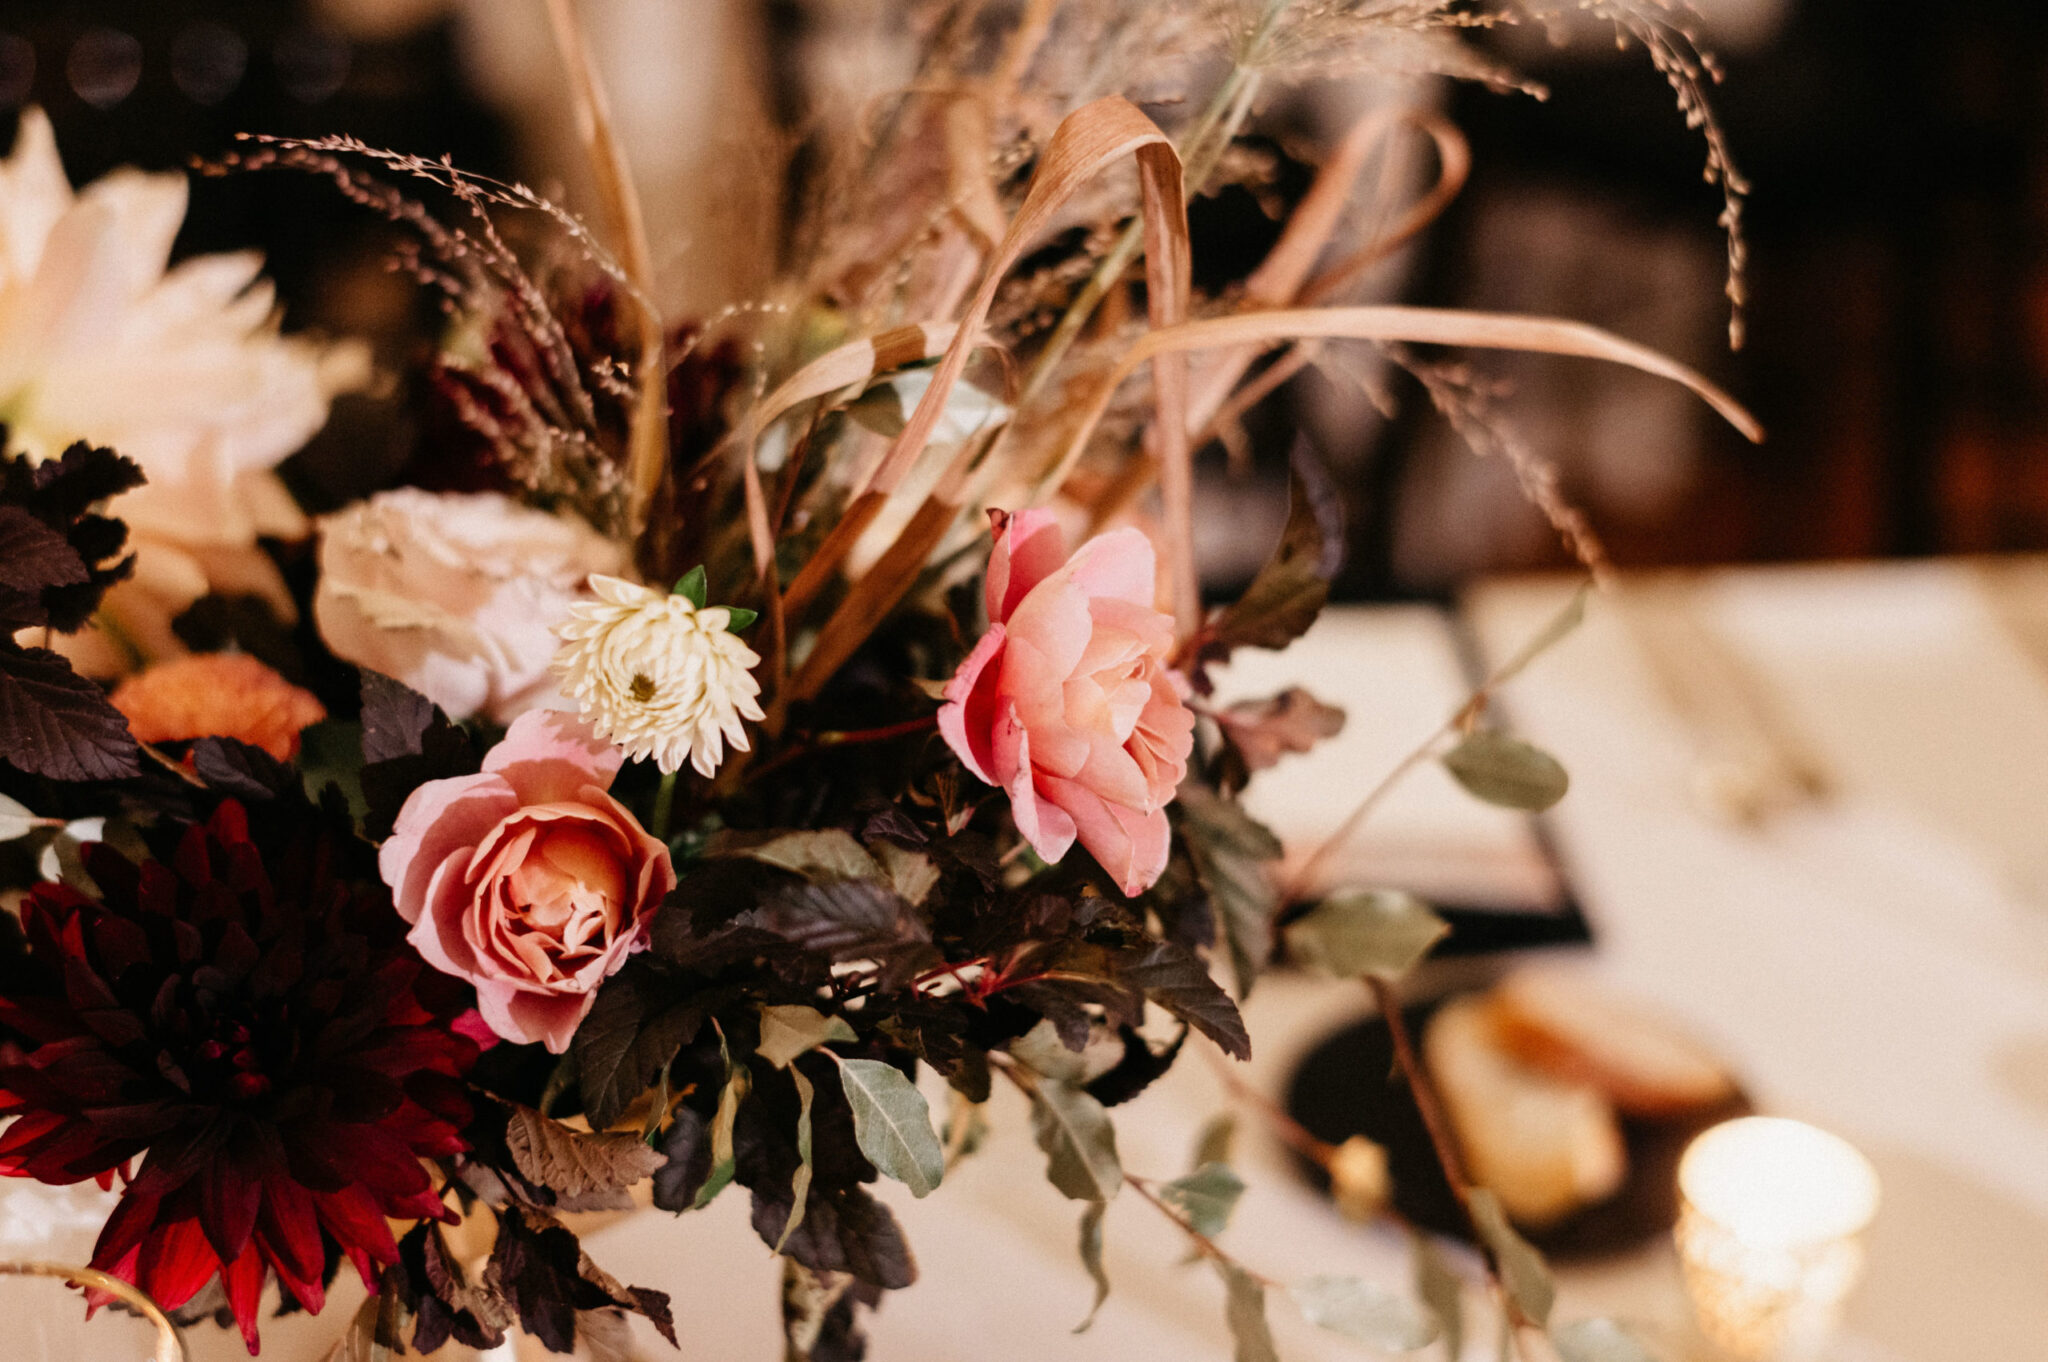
point(1067, 702)
point(528, 879)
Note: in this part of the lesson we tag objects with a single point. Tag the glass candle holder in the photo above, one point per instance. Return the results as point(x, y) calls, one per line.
point(1770, 1225)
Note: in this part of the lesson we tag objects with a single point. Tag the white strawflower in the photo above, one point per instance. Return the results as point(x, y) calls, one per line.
point(658, 675)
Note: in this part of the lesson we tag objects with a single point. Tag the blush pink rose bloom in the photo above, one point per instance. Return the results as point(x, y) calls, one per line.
point(528, 879)
point(1067, 702)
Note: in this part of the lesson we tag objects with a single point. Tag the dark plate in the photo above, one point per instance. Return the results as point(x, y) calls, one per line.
point(1343, 1089)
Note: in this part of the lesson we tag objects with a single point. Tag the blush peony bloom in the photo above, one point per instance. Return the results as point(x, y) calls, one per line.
point(246, 1019)
point(179, 367)
point(659, 676)
point(218, 695)
point(455, 594)
point(528, 879)
point(1067, 702)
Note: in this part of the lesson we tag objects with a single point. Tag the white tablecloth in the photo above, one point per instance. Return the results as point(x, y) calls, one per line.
point(1878, 965)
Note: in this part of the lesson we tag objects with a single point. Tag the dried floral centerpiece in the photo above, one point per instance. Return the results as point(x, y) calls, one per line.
point(814, 703)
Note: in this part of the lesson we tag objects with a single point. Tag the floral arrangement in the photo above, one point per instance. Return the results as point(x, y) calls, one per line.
point(792, 715)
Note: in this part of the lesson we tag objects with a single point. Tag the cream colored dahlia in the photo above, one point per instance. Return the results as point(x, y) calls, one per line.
point(658, 675)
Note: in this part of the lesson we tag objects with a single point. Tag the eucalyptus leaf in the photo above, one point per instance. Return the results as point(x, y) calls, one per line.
point(1214, 1142)
point(1091, 1258)
point(694, 587)
point(1043, 1052)
point(1365, 1311)
point(791, 1030)
point(1599, 1340)
point(1441, 1291)
point(1382, 932)
point(1522, 1269)
point(800, 1182)
point(1206, 1197)
point(1555, 631)
point(1507, 771)
point(1244, 1309)
point(1079, 1141)
point(892, 1124)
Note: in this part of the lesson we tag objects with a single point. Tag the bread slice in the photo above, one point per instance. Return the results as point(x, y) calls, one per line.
point(1546, 1147)
point(1576, 1032)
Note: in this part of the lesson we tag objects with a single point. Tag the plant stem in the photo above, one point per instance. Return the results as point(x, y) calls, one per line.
point(1420, 1088)
point(664, 805)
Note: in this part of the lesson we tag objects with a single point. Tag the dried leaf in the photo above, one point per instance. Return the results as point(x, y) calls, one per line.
point(892, 1124)
point(574, 1163)
point(1244, 1309)
point(722, 1164)
point(1263, 731)
point(1382, 932)
point(791, 1030)
point(1523, 1272)
point(1206, 1197)
point(1079, 1141)
point(1507, 771)
point(800, 1182)
point(1365, 1311)
point(1214, 1143)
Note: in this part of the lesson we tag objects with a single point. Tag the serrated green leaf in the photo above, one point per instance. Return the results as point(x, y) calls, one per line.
point(1599, 1340)
point(823, 857)
point(1091, 1258)
point(892, 1124)
point(693, 586)
point(1244, 1309)
point(800, 1182)
point(1441, 1291)
point(1507, 771)
point(1206, 1197)
point(1213, 1144)
point(1381, 932)
point(1079, 1141)
point(1522, 1270)
point(738, 617)
point(791, 1030)
point(1365, 1311)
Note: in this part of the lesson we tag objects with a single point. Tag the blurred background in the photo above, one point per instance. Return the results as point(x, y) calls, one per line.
point(1897, 331)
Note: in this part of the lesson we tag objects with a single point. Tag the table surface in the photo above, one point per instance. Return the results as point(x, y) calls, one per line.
point(1877, 964)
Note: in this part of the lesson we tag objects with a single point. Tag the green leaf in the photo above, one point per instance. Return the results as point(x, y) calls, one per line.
point(1231, 851)
point(1288, 593)
point(738, 617)
point(1244, 1309)
point(1213, 1144)
point(1206, 1197)
point(824, 857)
point(729, 1098)
point(800, 1182)
point(1043, 1052)
point(1091, 1258)
point(789, 1031)
point(1507, 771)
point(693, 586)
point(1440, 1291)
point(1381, 932)
point(1549, 636)
point(892, 1124)
point(1522, 1270)
point(1599, 1340)
point(1364, 1311)
point(1079, 1141)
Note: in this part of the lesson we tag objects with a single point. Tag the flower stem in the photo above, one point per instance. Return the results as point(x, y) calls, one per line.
point(664, 805)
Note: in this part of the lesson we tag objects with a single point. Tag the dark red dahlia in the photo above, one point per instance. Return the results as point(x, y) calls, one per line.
point(253, 1025)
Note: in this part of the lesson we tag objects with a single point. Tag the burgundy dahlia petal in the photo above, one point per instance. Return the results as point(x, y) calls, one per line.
point(249, 1014)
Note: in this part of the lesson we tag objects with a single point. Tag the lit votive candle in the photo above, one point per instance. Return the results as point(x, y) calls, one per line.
point(1770, 1224)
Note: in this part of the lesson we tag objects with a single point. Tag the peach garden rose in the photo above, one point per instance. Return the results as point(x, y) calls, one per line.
point(528, 879)
point(1067, 702)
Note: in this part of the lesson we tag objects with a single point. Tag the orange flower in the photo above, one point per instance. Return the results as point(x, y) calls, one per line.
point(218, 695)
